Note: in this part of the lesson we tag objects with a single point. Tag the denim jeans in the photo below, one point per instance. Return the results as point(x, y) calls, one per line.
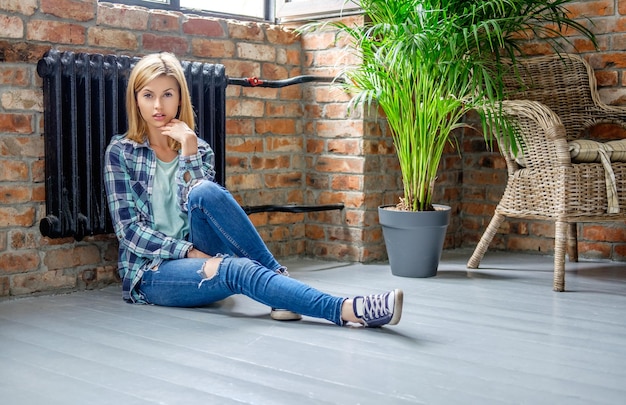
point(218, 226)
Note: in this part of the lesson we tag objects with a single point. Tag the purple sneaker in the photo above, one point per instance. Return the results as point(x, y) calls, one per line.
point(379, 309)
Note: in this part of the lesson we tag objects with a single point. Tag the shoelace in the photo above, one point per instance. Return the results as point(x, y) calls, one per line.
point(282, 270)
point(375, 306)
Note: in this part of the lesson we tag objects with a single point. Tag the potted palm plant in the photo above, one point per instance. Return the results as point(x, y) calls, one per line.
point(426, 63)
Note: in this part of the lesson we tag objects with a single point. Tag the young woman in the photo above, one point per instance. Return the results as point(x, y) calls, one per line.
point(184, 240)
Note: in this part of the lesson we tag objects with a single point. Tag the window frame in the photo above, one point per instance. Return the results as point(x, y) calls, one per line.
point(294, 10)
point(165, 4)
point(175, 5)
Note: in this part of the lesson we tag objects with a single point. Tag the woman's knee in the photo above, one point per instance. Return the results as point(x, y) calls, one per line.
point(206, 193)
point(211, 266)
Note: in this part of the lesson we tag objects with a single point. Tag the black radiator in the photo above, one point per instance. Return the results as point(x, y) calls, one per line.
point(84, 107)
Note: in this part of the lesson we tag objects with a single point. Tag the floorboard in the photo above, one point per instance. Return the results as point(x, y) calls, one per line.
point(496, 335)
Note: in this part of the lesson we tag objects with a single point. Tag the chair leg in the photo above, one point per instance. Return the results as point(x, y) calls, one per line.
point(572, 242)
point(560, 245)
point(485, 240)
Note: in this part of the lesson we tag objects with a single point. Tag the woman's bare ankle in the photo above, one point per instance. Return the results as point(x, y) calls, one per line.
point(347, 312)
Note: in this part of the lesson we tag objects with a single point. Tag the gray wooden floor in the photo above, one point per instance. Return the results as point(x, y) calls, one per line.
point(493, 336)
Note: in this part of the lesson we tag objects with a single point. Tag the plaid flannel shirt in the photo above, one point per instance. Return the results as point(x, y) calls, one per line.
point(129, 175)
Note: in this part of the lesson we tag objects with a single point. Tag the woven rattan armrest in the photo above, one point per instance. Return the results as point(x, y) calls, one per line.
point(541, 135)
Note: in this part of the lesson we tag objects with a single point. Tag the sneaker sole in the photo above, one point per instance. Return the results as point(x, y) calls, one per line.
point(397, 306)
point(284, 315)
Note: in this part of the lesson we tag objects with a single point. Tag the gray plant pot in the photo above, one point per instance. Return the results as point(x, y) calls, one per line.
point(414, 240)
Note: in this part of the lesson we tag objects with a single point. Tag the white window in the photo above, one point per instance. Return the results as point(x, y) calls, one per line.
point(298, 10)
point(250, 9)
point(266, 10)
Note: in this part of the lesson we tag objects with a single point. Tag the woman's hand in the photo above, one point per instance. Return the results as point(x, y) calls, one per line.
point(194, 253)
point(180, 131)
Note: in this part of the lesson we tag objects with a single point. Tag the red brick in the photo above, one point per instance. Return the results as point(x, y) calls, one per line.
point(237, 164)
point(284, 144)
point(606, 132)
point(288, 56)
point(11, 26)
point(247, 31)
point(22, 147)
point(19, 262)
point(23, 99)
point(283, 180)
point(601, 233)
point(272, 71)
point(256, 52)
point(22, 51)
point(244, 181)
point(291, 93)
point(347, 182)
point(26, 7)
point(72, 257)
point(239, 126)
point(280, 36)
point(243, 145)
point(13, 170)
point(594, 250)
point(42, 281)
point(55, 32)
point(277, 126)
point(212, 48)
point(24, 240)
point(78, 10)
point(264, 163)
point(345, 146)
point(620, 252)
point(245, 108)
point(608, 60)
point(315, 146)
point(111, 38)
point(17, 217)
point(159, 43)
point(38, 193)
point(336, 128)
point(318, 40)
point(281, 109)
point(203, 26)
point(122, 16)
point(239, 68)
point(14, 75)
point(265, 93)
point(161, 20)
point(530, 244)
point(350, 199)
point(587, 9)
point(14, 194)
point(542, 229)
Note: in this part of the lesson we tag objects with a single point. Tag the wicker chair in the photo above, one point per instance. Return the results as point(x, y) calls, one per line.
point(553, 108)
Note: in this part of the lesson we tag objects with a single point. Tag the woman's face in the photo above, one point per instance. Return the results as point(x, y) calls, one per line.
point(158, 101)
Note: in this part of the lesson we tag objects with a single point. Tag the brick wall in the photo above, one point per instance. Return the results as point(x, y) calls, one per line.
point(295, 144)
point(266, 131)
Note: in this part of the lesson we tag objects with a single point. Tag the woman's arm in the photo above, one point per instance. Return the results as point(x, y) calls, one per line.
point(193, 169)
point(127, 206)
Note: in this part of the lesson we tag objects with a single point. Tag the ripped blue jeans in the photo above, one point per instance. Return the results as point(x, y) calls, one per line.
point(219, 227)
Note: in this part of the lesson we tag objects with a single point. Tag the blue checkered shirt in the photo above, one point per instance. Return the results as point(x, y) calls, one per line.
point(129, 176)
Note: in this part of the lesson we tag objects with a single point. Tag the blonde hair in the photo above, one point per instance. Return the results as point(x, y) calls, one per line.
point(147, 69)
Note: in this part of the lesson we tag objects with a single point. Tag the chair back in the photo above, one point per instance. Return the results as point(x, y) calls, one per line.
point(564, 83)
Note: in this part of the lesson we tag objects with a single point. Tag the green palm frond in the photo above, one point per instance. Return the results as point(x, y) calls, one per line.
point(426, 63)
